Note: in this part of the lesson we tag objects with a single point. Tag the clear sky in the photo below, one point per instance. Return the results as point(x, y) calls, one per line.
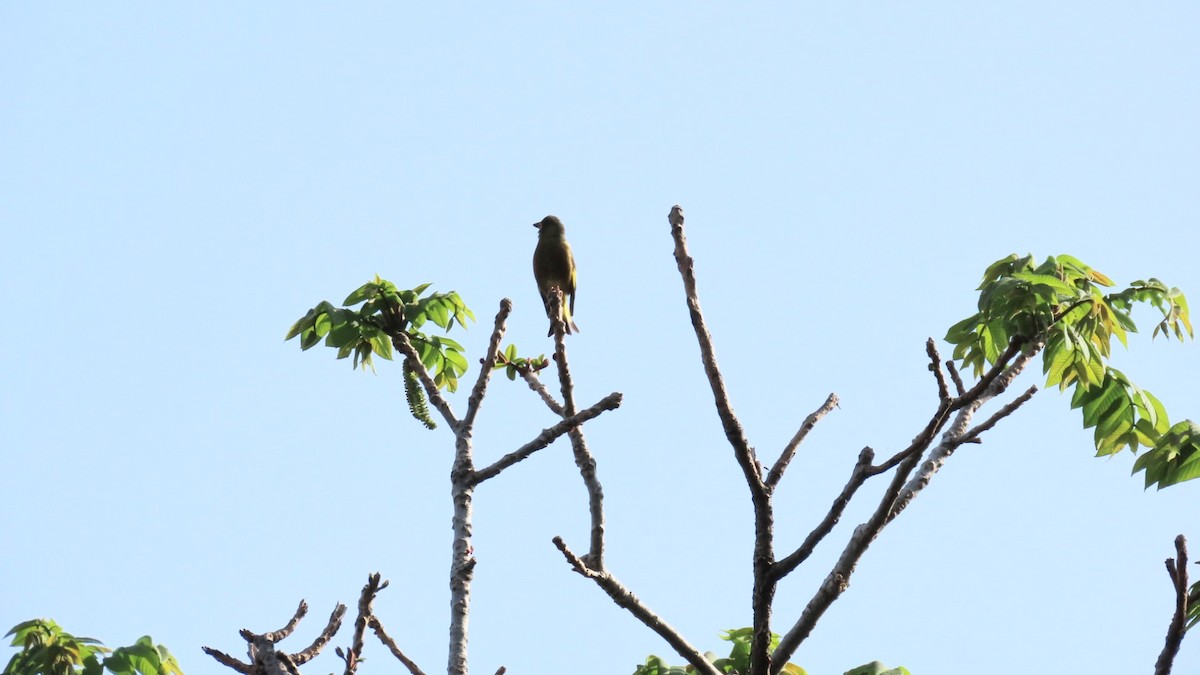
point(182, 181)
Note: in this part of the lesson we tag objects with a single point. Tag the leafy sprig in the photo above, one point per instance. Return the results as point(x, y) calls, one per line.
point(1062, 304)
point(513, 364)
point(385, 313)
point(46, 649)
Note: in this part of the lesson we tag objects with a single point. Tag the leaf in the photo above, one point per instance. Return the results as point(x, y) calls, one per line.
point(456, 361)
point(322, 324)
point(364, 292)
point(1045, 280)
point(1099, 405)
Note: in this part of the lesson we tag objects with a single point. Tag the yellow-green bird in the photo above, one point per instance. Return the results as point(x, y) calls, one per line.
point(554, 267)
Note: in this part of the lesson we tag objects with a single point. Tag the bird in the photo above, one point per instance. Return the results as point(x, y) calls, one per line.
point(554, 267)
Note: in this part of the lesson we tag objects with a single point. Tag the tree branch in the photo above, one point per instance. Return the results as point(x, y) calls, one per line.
point(486, 366)
point(627, 600)
point(935, 366)
point(547, 436)
point(387, 640)
point(226, 660)
point(899, 493)
point(331, 627)
point(858, 476)
point(789, 451)
point(838, 579)
point(972, 436)
point(370, 589)
point(958, 383)
point(538, 388)
point(729, 421)
point(954, 435)
point(763, 593)
point(1177, 570)
point(583, 457)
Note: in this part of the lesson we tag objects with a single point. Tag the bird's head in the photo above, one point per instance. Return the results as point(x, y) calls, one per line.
point(550, 225)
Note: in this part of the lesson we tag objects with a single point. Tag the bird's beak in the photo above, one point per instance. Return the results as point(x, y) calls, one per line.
point(538, 225)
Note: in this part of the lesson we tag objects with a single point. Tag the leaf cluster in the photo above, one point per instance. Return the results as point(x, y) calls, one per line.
point(1062, 303)
point(46, 649)
point(737, 662)
point(513, 364)
point(387, 312)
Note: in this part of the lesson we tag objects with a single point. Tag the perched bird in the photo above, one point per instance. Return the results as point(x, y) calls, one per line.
point(554, 267)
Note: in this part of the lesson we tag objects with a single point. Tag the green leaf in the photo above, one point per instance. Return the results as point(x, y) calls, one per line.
point(364, 292)
point(322, 324)
point(1047, 281)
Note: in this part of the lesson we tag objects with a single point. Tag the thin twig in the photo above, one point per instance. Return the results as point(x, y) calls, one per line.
point(935, 365)
point(536, 385)
point(789, 451)
point(1014, 347)
point(627, 600)
point(729, 421)
point(277, 635)
point(331, 627)
point(401, 343)
point(546, 437)
point(387, 640)
point(958, 383)
point(972, 436)
point(226, 660)
point(954, 434)
point(1177, 569)
point(858, 476)
point(838, 579)
point(370, 590)
point(489, 360)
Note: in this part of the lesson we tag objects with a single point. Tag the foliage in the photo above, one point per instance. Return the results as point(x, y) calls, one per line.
point(1061, 303)
point(46, 649)
point(512, 364)
point(387, 312)
point(737, 662)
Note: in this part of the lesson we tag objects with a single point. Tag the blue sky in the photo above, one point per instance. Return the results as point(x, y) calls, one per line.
point(183, 182)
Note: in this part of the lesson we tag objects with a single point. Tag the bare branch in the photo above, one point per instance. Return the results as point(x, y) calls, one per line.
point(387, 640)
point(583, 457)
point(1177, 569)
point(489, 360)
point(331, 628)
point(954, 435)
point(958, 383)
point(972, 436)
point(370, 590)
point(935, 366)
point(627, 600)
point(789, 451)
point(277, 635)
point(548, 435)
point(838, 579)
point(536, 385)
point(899, 493)
point(858, 476)
point(226, 660)
point(401, 343)
point(760, 494)
point(729, 421)
point(1014, 347)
